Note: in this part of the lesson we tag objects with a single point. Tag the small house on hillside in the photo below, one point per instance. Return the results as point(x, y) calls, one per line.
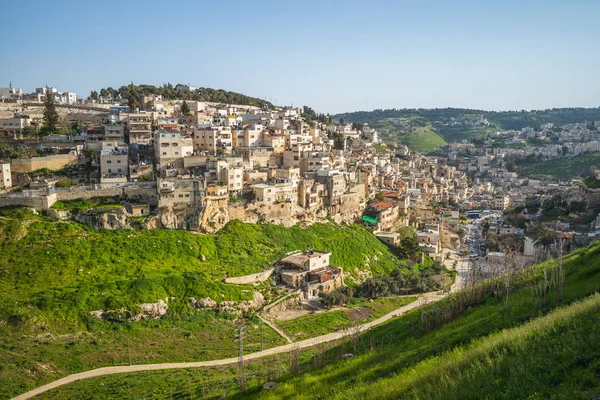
point(309, 271)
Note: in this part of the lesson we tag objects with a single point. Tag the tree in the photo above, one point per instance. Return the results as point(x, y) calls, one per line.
point(132, 98)
point(94, 95)
point(409, 248)
point(185, 109)
point(50, 113)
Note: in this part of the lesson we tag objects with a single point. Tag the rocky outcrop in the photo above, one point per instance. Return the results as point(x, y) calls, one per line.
point(146, 311)
point(212, 215)
point(230, 307)
point(111, 219)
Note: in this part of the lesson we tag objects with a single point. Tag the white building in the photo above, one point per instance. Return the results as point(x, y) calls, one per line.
point(5, 179)
point(10, 93)
point(12, 127)
point(170, 146)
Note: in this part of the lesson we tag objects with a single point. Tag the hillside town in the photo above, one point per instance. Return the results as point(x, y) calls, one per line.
point(182, 164)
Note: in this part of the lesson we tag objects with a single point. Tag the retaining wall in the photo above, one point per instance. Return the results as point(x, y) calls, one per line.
point(252, 278)
point(40, 203)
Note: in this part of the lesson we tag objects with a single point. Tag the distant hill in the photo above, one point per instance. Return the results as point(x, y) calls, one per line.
point(168, 92)
point(456, 124)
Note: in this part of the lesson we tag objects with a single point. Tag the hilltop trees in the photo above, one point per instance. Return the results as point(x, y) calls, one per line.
point(168, 92)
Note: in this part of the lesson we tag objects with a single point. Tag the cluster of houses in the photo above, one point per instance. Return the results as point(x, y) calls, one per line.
point(276, 160)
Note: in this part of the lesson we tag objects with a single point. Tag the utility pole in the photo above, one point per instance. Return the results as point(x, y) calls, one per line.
point(241, 372)
point(261, 334)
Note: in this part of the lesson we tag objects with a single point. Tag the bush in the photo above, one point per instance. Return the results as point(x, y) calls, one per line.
point(64, 182)
point(337, 297)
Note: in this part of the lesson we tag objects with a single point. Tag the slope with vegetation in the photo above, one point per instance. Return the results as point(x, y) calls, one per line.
point(53, 273)
point(456, 124)
point(543, 343)
point(561, 168)
point(471, 345)
point(168, 92)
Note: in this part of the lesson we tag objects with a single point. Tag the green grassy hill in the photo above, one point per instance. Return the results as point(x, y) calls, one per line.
point(414, 132)
point(535, 350)
point(456, 124)
point(53, 273)
point(564, 168)
point(545, 345)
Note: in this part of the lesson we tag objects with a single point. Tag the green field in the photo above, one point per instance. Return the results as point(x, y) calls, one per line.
point(423, 139)
point(457, 134)
point(563, 168)
point(359, 311)
point(53, 273)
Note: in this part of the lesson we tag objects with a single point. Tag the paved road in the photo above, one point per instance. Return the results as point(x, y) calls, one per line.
point(423, 299)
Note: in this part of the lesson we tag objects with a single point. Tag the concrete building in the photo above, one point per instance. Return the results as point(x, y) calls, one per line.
point(10, 93)
point(234, 178)
point(5, 178)
point(13, 127)
point(264, 193)
point(172, 192)
point(139, 128)
point(311, 272)
point(114, 132)
point(171, 146)
point(213, 140)
point(501, 202)
point(114, 162)
point(389, 238)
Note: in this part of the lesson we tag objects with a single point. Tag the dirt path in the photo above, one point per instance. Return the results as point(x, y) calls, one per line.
point(424, 299)
point(275, 328)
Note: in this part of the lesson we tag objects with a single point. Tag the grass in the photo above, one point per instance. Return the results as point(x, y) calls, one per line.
point(458, 133)
point(592, 183)
point(423, 139)
point(359, 311)
point(532, 351)
point(482, 353)
point(53, 273)
point(562, 168)
point(315, 324)
point(85, 204)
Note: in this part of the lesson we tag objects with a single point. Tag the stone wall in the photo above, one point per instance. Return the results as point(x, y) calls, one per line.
point(55, 162)
point(252, 278)
point(148, 194)
point(40, 203)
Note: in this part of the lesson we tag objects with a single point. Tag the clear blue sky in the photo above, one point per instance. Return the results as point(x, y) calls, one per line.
point(332, 55)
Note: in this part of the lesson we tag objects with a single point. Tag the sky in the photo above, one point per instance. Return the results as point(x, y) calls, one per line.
point(334, 56)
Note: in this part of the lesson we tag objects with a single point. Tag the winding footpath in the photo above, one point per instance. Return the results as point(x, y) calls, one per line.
point(424, 299)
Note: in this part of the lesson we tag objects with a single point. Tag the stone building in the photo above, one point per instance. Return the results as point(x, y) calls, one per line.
point(310, 272)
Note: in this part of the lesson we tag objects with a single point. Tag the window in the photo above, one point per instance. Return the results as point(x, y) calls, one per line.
point(108, 162)
point(109, 171)
point(118, 161)
point(180, 196)
point(187, 195)
point(164, 153)
point(119, 170)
